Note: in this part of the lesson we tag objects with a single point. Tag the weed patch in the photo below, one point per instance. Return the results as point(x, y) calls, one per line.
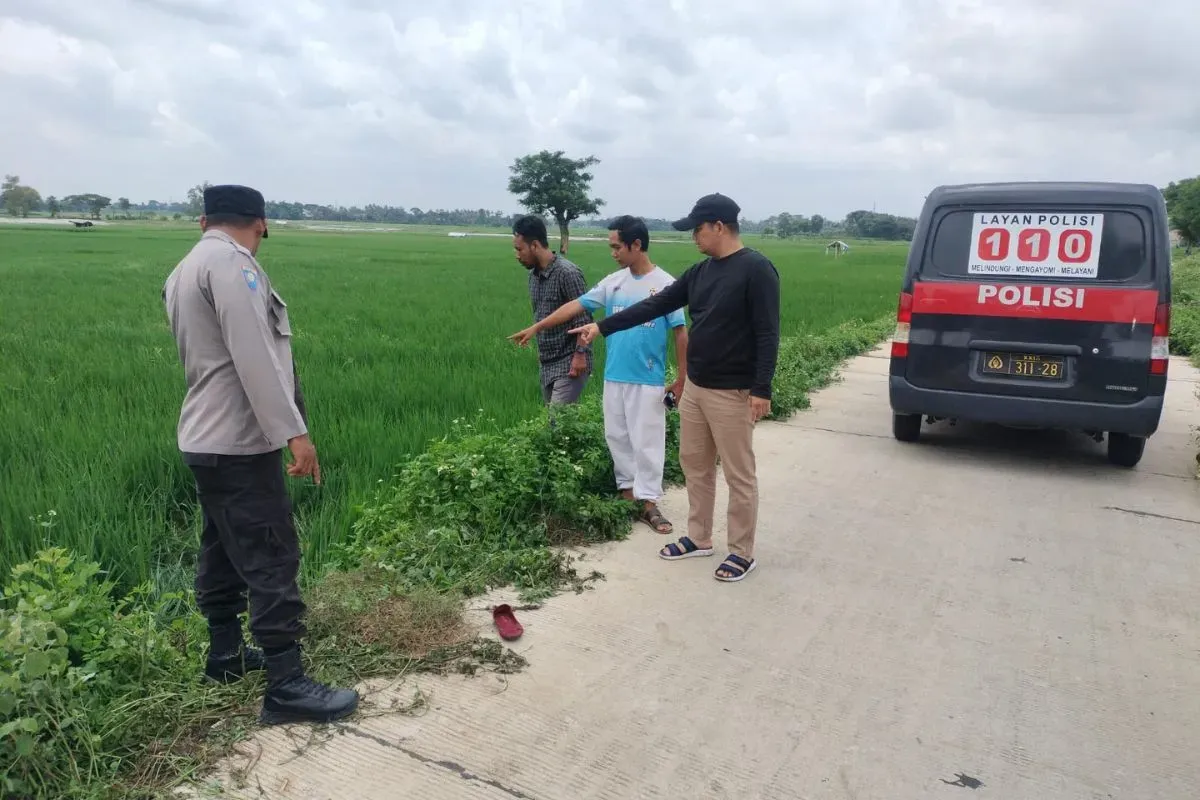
point(101, 695)
point(809, 363)
point(1185, 318)
point(481, 509)
point(1185, 307)
point(87, 679)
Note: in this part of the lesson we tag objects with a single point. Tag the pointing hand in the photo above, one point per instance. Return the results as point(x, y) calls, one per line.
point(587, 333)
point(522, 337)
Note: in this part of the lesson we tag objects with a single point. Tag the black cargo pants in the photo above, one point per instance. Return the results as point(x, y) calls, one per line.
point(249, 545)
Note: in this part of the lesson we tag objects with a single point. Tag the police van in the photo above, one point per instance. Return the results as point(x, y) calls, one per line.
point(1042, 305)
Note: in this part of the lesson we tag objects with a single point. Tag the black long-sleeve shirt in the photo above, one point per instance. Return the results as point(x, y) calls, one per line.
point(734, 303)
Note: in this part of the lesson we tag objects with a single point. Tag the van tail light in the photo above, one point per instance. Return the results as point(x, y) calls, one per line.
point(1160, 345)
point(903, 326)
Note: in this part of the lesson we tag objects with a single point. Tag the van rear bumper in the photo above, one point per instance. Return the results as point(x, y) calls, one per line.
point(1138, 419)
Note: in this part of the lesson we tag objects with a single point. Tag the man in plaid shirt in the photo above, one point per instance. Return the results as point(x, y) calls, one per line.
point(566, 364)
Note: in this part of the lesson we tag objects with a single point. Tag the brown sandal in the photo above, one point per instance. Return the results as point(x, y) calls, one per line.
point(655, 519)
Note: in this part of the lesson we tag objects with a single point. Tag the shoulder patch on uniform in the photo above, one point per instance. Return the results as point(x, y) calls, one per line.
point(251, 276)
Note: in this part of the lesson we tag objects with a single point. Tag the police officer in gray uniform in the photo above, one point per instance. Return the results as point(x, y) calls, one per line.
point(242, 408)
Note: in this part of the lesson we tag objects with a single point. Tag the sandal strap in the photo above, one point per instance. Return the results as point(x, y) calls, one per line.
point(737, 561)
point(653, 515)
point(735, 564)
point(683, 545)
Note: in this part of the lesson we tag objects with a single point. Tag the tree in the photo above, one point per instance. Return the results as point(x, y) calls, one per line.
point(549, 182)
point(1183, 208)
point(872, 225)
point(52, 205)
point(195, 198)
point(18, 200)
point(96, 203)
point(123, 204)
point(785, 226)
point(93, 203)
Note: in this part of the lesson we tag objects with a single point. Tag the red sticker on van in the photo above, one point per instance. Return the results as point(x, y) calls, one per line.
point(1036, 301)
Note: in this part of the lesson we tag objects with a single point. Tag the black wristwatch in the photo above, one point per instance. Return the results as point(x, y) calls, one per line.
point(582, 350)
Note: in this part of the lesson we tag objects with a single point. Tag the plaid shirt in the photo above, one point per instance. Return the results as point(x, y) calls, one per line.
point(561, 282)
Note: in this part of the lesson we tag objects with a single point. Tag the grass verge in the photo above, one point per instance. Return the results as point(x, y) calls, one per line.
point(1185, 315)
point(1185, 307)
point(100, 694)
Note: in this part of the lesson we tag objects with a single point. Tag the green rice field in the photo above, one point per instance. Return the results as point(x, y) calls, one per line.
point(397, 334)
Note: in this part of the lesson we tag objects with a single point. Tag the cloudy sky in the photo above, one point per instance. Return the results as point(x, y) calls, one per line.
point(809, 106)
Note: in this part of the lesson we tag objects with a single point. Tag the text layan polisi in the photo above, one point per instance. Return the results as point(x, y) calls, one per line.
point(1068, 220)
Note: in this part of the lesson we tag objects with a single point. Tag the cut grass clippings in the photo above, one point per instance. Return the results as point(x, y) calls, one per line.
point(100, 692)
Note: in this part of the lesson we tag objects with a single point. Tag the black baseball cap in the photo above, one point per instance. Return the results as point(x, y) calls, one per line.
point(710, 208)
point(233, 199)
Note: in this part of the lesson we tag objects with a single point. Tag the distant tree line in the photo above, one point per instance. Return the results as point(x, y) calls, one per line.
point(18, 200)
point(395, 215)
point(856, 225)
point(547, 183)
point(21, 201)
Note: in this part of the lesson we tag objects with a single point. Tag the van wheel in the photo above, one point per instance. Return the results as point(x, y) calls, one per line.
point(906, 427)
point(1125, 450)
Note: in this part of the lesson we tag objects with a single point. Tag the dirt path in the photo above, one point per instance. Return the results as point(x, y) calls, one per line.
point(972, 616)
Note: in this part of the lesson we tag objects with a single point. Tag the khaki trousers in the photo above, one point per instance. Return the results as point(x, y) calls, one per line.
point(712, 423)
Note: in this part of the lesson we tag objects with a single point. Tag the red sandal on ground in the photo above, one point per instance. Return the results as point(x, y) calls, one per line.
point(506, 622)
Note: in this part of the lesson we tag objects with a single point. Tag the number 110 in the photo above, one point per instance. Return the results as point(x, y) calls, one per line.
point(1034, 244)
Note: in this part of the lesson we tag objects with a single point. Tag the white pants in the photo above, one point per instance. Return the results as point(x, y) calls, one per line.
point(635, 425)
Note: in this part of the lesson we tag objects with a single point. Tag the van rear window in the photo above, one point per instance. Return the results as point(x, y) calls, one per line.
point(1040, 245)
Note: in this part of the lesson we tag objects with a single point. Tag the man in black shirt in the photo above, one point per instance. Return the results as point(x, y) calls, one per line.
point(733, 299)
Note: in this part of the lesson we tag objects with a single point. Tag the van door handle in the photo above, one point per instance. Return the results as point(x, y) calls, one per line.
point(1019, 347)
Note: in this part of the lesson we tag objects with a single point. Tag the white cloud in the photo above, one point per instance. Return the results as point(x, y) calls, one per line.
point(816, 107)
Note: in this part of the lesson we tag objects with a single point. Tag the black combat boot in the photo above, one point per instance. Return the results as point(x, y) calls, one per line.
point(292, 696)
point(229, 659)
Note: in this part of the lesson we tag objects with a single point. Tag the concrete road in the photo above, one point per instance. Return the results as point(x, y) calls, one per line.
point(979, 615)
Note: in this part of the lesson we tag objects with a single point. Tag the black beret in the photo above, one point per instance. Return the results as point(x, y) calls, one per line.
point(233, 199)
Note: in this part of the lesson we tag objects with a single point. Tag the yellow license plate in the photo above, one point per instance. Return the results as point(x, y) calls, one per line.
point(1025, 365)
